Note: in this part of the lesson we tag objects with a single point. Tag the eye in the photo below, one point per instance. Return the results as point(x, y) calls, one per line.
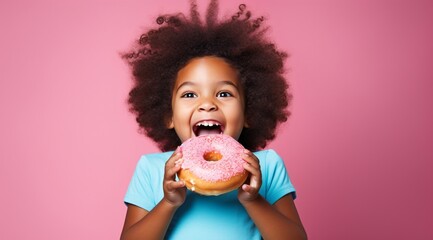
point(224, 94)
point(188, 95)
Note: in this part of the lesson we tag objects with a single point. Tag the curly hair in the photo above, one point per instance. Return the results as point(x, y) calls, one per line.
point(162, 51)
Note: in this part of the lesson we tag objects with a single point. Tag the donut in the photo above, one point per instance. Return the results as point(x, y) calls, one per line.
point(212, 164)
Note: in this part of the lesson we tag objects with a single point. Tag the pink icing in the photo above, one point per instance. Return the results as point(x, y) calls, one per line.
point(229, 165)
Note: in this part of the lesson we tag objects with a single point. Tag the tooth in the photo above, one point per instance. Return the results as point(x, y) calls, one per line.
point(207, 124)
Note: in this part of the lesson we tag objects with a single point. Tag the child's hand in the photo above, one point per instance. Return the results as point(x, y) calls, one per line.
point(250, 190)
point(174, 191)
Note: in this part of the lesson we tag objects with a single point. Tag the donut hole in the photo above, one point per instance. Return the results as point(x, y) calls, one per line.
point(212, 156)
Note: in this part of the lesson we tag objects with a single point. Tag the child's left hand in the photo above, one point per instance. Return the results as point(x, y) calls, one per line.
point(249, 191)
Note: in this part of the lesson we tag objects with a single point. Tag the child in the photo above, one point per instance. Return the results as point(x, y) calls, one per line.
point(194, 78)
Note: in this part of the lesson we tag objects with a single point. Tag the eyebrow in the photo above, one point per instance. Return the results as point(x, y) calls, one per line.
point(224, 82)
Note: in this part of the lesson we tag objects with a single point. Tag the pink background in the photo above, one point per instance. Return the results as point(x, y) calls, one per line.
point(358, 145)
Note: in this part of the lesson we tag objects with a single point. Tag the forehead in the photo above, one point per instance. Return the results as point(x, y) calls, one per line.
point(208, 68)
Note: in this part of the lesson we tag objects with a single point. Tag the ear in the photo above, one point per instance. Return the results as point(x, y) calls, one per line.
point(170, 124)
point(246, 125)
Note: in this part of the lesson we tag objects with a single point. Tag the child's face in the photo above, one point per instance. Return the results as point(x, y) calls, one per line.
point(207, 99)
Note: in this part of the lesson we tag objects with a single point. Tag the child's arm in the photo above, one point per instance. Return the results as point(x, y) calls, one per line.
point(278, 221)
point(140, 223)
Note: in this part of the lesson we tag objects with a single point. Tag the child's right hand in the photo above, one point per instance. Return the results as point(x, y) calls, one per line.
point(174, 191)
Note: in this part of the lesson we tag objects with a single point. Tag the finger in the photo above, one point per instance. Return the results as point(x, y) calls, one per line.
point(254, 170)
point(250, 158)
point(254, 183)
point(251, 188)
point(172, 185)
point(170, 172)
point(247, 188)
point(174, 158)
point(255, 176)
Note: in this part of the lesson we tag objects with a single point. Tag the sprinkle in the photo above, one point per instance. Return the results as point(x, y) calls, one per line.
point(229, 165)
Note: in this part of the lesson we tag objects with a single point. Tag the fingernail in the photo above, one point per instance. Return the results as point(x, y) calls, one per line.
point(177, 151)
point(179, 161)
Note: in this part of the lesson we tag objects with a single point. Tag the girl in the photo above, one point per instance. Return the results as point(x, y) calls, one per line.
point(218, 77)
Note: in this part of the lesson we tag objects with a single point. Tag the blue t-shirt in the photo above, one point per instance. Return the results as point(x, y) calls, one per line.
point(207, 217)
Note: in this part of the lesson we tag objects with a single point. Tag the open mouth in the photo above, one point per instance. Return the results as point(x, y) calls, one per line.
point(207, 127)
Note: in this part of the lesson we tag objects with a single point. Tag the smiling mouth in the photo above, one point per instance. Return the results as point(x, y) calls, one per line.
point(207, 127)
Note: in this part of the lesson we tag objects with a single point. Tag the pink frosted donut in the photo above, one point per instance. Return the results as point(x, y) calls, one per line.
point(212, 164)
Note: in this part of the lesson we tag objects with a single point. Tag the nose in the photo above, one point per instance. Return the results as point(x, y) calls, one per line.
point(207, 105)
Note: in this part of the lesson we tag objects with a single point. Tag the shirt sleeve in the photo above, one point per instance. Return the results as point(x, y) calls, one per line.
point(140, 190)
point(276, 178)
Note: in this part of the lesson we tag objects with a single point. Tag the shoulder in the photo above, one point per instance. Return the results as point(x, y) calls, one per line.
point(268, 156)
point(270, 162)
point(155, 157)
point(276, 180)
point(153, 160)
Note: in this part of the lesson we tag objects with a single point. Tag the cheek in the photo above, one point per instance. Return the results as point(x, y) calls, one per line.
point(181, 113)
point(237, 114)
